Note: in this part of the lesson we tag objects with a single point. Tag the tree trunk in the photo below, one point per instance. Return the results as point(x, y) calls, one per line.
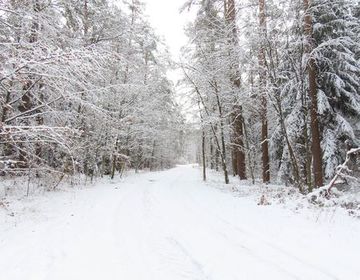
point(113, 166)
point(314, 125)
point(217, 151)
point(86, 19)
point(293, 160)
point(223, 157)
point(8, 147)
point(239, 163)
point(307, 167)
point(222, 135)
point(114, 159)
point(234, 161)
point(221, 148)
point(203, 154)
point(263, 112)
point(250, 160)
point(211, 153)
point(239, 142)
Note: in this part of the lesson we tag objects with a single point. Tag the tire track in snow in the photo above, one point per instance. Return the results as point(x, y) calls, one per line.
point(151, 249)
point(177, 243)
point(171, 254)
point(158, 214)
point(249, 252)
point(256, 237)
point(190, 261)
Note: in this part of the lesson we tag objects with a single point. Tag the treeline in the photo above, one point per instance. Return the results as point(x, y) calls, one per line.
point(83, 89)
point(277, 84)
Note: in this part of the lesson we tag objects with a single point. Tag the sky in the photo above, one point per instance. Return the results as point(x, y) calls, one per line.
point(168, 22)
point(165, 17)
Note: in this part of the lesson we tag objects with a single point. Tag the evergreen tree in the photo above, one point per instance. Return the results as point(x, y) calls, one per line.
point(336, 33)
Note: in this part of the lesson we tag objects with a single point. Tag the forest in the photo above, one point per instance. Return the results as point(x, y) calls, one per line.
point(277, 85)
point(84, 89)
point(236, 158)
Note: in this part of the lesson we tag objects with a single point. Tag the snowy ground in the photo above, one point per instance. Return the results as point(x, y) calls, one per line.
point(168, 226)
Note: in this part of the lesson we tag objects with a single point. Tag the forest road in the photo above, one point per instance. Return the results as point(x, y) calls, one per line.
point(164, 226)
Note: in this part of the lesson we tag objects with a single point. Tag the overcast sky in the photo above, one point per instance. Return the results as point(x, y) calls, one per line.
point(165, 17)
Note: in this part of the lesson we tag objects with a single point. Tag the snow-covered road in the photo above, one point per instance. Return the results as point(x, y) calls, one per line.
point(168, 226)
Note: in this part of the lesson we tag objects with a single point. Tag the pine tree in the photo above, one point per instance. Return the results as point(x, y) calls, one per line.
point(336, 34)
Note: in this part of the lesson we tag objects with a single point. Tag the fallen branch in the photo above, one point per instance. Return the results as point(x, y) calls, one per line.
point(327, 190)
point(342, 167)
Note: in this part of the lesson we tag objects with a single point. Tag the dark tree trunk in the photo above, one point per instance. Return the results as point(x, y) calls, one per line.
point(234, 161)
point(203, 154)
point(239, 163)
point(263, 112)
point(314, 124)
point(239, 142)
point(114, 159)
point(211, 153)
point(217, 155)
point(223, 157)
point(307, 163)
point(315, 147)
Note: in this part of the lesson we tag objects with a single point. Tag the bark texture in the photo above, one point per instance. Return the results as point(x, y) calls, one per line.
point(239, 163)
point(315, 134)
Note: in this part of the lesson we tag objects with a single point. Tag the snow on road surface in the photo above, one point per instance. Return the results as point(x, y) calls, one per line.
point(168, 226)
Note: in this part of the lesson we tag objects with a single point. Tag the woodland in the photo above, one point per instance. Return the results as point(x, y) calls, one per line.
point(245, 166)
point(275, 86)
point(84, 90)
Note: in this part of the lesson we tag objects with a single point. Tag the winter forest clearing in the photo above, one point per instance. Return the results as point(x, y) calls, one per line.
point(170, 225)
point(182, 139)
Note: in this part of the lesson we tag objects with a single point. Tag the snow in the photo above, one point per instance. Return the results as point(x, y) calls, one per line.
point(169, 225)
